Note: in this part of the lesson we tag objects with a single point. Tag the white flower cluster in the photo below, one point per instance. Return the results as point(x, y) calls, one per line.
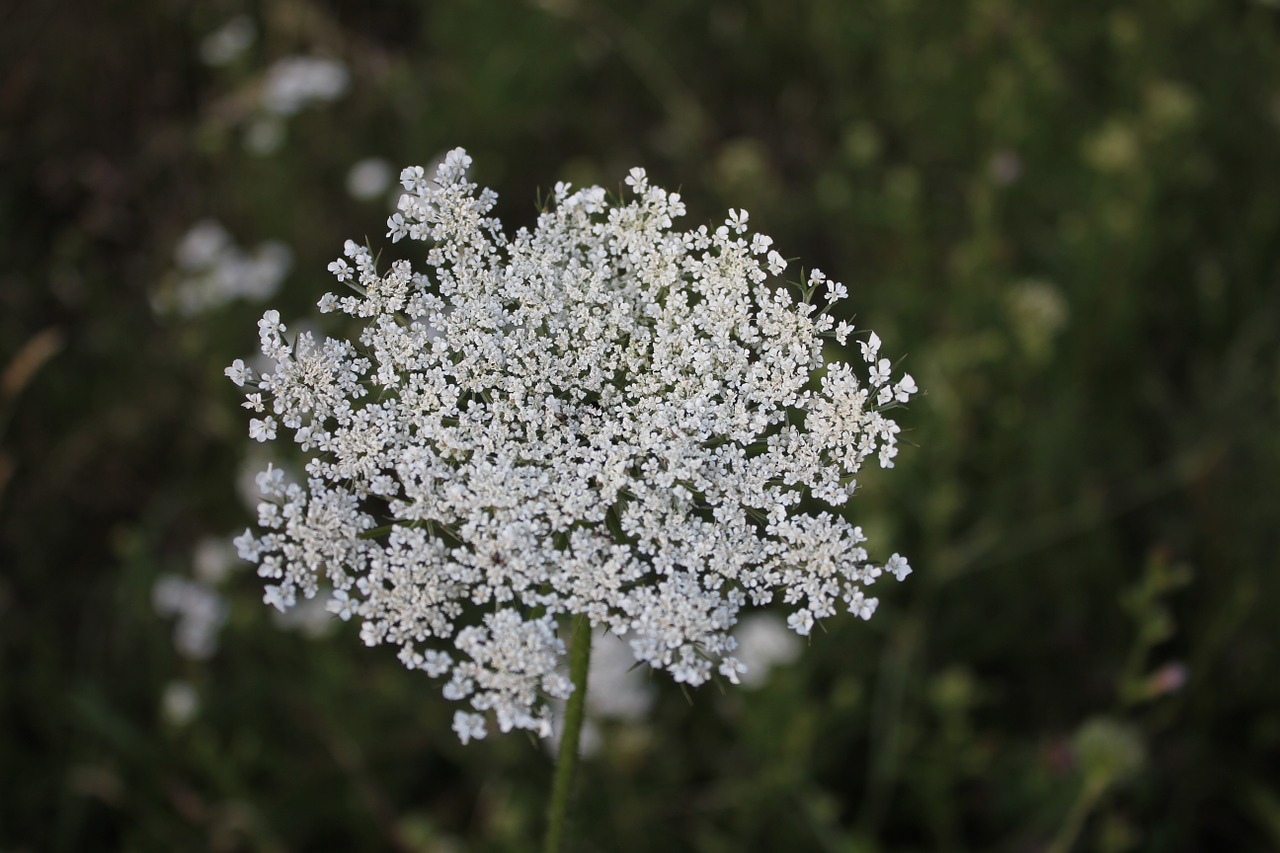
point(601, 416)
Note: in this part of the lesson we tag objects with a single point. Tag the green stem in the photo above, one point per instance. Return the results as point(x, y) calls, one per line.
point(567, 762)
point(1090, 792)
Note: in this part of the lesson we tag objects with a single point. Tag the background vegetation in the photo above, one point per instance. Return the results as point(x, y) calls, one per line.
point(1066, 216)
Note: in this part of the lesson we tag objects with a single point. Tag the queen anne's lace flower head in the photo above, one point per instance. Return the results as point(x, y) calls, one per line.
point(602, 417)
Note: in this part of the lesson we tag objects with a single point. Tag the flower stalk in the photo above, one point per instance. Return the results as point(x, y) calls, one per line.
point(567, 761)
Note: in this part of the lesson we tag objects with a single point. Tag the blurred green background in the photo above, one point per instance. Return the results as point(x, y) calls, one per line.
point(1065, 219)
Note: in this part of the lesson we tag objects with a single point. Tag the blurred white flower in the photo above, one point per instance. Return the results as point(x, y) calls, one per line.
point(202, 245)
point(764, 641)
point(200, 611)
point(227, 43)
point(295, 82)
point(264, 135)
point(313, 617)
point(213, 270)
point(179, 703)
point(214, 560)
point(619, 689)
point(370, 178)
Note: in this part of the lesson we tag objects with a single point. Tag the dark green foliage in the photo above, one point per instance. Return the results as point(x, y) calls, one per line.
point(1067, 219)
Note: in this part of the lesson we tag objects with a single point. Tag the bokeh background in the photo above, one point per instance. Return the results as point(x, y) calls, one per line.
point(1063, 217)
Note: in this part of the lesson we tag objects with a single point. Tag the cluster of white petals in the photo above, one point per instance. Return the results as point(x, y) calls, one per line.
point(600, 417)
